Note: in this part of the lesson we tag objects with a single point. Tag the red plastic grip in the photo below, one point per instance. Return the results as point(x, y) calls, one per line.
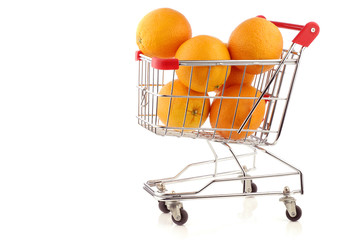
point(137, 55)
point(165, 63)
point(160, 63)
point(306, 35)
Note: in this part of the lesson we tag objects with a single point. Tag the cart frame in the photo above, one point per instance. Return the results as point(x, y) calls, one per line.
point(151, 77)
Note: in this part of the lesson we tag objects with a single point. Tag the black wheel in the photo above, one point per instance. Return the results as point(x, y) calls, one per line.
point(298, 214)
point(163, 207)
point(184, 217)
point(253, 187)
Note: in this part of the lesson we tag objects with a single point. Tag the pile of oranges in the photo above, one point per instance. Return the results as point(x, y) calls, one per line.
point(166, 33)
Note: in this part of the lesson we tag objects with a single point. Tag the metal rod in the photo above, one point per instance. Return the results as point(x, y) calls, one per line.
point(237, 161)
point(206, 97)
point(215, 156)
point(203, 105)
point(226, 62)
point(221, 100)
point(277, 158)
point(204, 129)
point(171, 93)
point(169, 197)
point(221, 180)
point(238, 173)
point(266, 88)
point(287, 164)
point(239, 177)
point(289, 95)
point(197, 164)
point(187, 101)
point(237, 104)
point(232, 62)
point(227, 195)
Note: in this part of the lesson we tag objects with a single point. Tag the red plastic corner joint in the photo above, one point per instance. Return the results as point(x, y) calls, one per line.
point(267, 96)
point(307, 34)
point(137, 55)
point(165, 63)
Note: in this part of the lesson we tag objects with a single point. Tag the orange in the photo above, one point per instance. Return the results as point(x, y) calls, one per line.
point(255, 39)
point(161, 32)
point(194, 112)
point(236, 78)
point(203, 47)
point(228, 109)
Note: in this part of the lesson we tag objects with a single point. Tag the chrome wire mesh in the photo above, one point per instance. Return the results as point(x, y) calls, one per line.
point(277, 95)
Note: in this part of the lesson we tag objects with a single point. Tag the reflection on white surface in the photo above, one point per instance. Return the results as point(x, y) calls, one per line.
point(165, 219)
point(180, 231)
point(226, 217)
point(177, 232)
point(250, 204)
point(294, 228)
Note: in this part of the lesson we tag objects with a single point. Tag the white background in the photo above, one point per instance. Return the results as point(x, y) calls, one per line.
point(73, 159)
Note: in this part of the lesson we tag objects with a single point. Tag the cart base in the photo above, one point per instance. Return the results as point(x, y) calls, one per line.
point(170, 201)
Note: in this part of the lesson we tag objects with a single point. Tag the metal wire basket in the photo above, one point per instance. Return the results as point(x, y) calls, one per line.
point(273, 87)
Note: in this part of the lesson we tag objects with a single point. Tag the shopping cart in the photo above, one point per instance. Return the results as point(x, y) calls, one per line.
point(275, 87)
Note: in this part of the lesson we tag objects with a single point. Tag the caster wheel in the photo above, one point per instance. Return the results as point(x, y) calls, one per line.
point(253, 187)
point(298, 214)
point(184, 217)
point(163, 207)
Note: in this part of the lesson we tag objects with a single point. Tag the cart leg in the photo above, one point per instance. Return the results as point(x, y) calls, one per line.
point(254, 165)
point(215, 156)
point(248, 187)
point(235, 158)
point(293, 212)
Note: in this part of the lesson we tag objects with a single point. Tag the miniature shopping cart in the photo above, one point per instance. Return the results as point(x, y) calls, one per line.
point(234, 174)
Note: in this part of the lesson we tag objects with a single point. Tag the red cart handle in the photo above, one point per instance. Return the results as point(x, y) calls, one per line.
point(160, 63)
point(306, 35)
